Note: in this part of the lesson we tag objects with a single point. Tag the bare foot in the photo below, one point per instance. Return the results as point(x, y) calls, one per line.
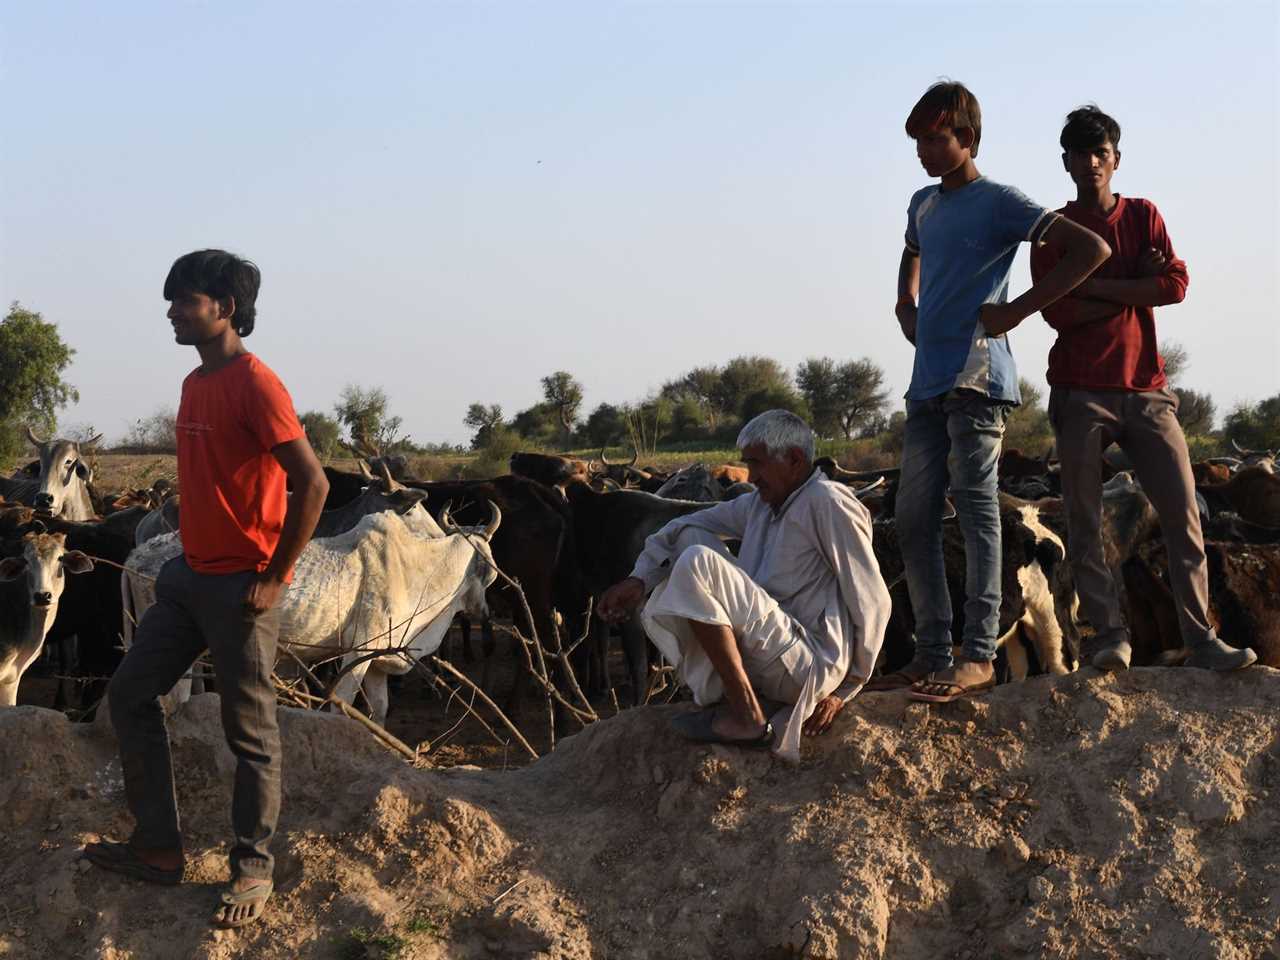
point(243, 901)
point(727, 724)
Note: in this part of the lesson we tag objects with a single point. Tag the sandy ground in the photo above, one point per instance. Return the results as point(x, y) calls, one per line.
point(1128, 815)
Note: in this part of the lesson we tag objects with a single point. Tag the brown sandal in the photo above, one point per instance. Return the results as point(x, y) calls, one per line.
point(944, 691)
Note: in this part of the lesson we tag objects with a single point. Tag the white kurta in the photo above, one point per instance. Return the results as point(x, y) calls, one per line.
point(814, 556)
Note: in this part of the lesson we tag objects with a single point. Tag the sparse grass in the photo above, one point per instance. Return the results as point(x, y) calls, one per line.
point(423, 924)
point(362, 943)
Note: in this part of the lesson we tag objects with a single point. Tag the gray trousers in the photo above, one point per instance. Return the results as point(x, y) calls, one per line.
point(194, 612)
point(1146, 427)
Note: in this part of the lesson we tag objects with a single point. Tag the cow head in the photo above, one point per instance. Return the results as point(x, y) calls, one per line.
point(692, 483)
point(45, 562)
point(621, 473)
point(64, 478)
point(553, 471)
point(482, 571)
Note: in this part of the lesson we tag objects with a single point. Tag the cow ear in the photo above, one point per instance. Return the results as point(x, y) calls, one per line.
point(82, 470)
point(11, 568)
point(75, 561)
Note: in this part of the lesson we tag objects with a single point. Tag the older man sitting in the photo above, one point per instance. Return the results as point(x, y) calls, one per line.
point(797, 619)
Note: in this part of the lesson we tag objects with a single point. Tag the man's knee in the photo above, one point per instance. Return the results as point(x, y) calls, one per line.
point(697, 560)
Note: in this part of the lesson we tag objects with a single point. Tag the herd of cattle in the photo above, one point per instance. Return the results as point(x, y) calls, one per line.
point(396, 559)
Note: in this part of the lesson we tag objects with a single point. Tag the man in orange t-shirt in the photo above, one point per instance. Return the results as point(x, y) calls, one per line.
point(239, 440)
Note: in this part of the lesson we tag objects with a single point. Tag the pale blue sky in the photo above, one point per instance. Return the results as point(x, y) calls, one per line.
point(451, 201)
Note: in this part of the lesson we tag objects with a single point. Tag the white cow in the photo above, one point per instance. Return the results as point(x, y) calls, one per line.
point(392, 581)
point(27, 610)
point(62, 489)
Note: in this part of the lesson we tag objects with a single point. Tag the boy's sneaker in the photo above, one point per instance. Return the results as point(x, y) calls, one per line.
point(1212, 654)
point(1114, 655)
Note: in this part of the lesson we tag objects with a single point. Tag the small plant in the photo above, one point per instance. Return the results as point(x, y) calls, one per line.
point(423, 923)
point(363, 944)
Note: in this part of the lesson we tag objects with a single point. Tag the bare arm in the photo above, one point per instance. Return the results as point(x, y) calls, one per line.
point(310, 487)
point(1160, 281)
point(1074, 311)
point(1083, 251)
point(908, 291)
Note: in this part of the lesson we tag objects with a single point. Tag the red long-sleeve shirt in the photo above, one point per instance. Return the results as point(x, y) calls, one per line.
point(1120, 352)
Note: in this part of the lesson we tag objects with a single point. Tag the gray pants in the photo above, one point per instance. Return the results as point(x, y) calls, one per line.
point(194, 612)
point(1146, 427)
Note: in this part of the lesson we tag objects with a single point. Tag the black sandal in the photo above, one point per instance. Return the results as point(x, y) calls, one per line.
point(121, 858)
point(698, 726)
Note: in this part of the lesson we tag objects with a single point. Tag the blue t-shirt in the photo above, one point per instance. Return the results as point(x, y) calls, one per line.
point(966, 239)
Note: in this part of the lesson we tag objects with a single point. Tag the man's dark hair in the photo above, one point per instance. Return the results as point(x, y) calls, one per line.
point(219, 275)
point(1088, 128)
point(947, 104)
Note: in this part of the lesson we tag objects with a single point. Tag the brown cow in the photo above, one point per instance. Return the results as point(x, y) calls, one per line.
point(1244, 601)
point(1253, 492)
point(1206, 472)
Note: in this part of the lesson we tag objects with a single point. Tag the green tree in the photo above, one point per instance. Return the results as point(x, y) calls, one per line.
point(819, 381)
point(483, 420)
point(746, 376)
point(157, 433)
point(32, 360)
point(774, 398)
point(323, 433)
point(702, 387)
point(1195, 411)
point(1175, 359)
point(1028, 428)
point(564, 394)
point(605, 427)
point(539, 424)
point(363, 411)
point(843, 398)
point(1254, 426)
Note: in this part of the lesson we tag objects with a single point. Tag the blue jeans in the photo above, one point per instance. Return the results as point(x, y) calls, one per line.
point(956, 436)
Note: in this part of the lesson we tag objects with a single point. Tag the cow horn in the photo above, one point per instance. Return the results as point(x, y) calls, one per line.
point(495, 518)
point(91, 441)
point(1239, 449)
point(863, 491)
point(635, 455)
point(445, 521)
point(31, 435)
point(37, 527)
point(604, 459)
point(386, 473)
point(364, 468)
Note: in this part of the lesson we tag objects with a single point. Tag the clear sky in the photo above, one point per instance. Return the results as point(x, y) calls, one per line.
point(453, 200)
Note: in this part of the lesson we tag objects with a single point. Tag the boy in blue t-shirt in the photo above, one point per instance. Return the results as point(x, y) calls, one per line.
point(962, 236)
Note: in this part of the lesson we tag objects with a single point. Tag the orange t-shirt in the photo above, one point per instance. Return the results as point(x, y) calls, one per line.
point(233, 490)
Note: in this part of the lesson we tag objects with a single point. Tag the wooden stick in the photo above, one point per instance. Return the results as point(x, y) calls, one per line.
point(462, 677)
point(380, 733)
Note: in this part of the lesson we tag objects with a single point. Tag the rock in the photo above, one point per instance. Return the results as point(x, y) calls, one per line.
point(1014, 851)
point(1039, 889)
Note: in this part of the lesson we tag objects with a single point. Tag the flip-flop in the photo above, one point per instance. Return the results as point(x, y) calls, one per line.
point(259, 894)
point(892, 681)
point(698, 726)
point(954, 691)
point(123, 859)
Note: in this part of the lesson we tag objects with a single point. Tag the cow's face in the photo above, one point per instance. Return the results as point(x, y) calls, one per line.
point(691, 483)
point(63, 476)
point(481, 574)
point(45, 562)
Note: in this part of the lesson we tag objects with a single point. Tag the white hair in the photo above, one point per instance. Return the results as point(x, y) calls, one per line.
point(779, 431)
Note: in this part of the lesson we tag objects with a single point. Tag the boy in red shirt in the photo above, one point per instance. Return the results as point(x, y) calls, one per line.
point(238, 441)
point(1108, 386)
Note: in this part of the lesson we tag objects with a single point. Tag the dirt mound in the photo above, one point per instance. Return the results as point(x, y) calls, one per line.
point(1084, 816)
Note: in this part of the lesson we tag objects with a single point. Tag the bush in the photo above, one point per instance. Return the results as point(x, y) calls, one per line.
point(494, 458)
